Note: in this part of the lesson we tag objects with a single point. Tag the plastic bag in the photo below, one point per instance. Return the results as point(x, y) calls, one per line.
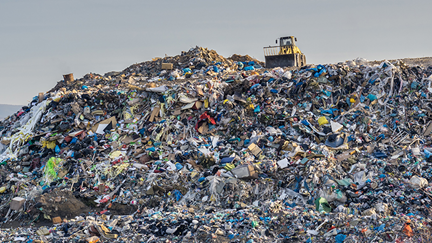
point(418, 182)
point(287, 75)
point(322, 205)
point(333, 196)
point(216, 187)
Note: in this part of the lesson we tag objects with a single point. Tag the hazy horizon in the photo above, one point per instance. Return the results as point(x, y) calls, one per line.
point(42, 40)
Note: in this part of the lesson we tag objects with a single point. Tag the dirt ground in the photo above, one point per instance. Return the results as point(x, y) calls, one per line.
point(62, 203)
point(421, 61)
point(246, 58)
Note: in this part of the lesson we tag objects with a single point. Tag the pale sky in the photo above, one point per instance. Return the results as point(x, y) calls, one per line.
point(44, 39)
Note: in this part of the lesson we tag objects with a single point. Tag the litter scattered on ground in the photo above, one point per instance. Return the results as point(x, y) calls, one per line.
point(202, 148)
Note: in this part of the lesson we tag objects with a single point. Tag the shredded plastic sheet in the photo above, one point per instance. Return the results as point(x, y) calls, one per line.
point(189, 197)
point(51, 169)
point(109, 170)
point(25, 132)
point(48, 144)
point(216, 186)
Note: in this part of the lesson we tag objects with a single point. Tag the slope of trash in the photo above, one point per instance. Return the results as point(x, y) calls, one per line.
point(202, 148)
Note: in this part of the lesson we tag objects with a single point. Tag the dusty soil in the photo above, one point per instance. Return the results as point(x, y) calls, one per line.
point(64, 204)
point(420, 61)
point(19, 223)
point(246, 58)
point(121, 209)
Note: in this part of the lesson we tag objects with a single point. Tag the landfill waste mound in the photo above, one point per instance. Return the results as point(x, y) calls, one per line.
point(200, 148)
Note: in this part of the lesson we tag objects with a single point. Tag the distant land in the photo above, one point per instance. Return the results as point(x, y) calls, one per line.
point(7, 110)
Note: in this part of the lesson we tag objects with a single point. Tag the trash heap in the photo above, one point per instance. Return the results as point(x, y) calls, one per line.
point(200, 148)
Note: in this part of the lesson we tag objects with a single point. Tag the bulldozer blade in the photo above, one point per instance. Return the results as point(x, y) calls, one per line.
point(286, 60)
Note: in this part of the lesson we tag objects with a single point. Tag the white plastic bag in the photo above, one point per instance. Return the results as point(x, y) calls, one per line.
point(287, 75)
point(418, 182)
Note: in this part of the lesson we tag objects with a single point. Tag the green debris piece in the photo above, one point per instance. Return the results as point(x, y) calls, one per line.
point(254, 224)
point(50, 169)
point(345, 182)
point(322, 205)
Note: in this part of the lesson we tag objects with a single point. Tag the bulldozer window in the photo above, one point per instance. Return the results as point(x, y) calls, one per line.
point(286, 42)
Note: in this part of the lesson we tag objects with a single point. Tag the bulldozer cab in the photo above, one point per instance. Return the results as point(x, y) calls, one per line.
point(287, 41)
point(287, 54)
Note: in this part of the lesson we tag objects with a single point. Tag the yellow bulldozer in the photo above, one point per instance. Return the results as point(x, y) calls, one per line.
point(287, 54)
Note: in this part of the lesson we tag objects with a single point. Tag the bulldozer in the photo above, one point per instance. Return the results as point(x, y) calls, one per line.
point(287, 54)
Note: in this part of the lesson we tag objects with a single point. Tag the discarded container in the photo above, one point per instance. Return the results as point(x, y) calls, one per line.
point(245, 172)
point(68, 77)
point(57, 220)
point(17, 203)
point(166, 66)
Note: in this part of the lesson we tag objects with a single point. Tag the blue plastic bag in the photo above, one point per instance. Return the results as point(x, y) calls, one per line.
point(371, 97)
point(178, 166)
point(177, 195)
point(427, 153)
point(340, 238)
point(227, 160)
point(240, 65)
point(257, 109)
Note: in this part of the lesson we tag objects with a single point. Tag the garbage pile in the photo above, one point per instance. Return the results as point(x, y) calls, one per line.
point(199, 148)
